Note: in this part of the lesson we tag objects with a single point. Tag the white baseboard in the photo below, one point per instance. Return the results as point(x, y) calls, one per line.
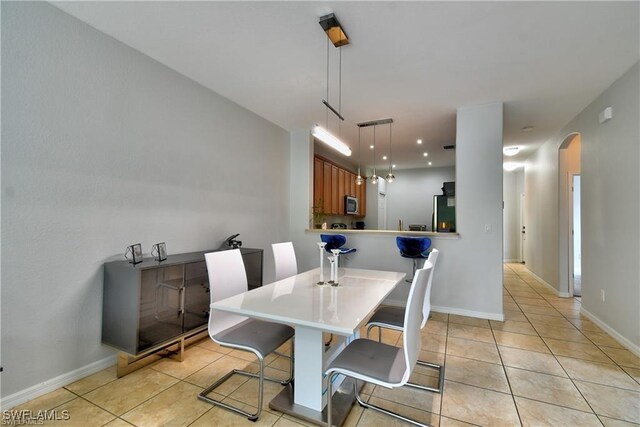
point(55, 383)
point(510, 260)
point(541, 280)
point(609, 330)
point(469, 313)
point(449, 310)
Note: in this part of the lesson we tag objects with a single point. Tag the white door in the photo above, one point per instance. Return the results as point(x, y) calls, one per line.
point(576, 238)
point(523, 235)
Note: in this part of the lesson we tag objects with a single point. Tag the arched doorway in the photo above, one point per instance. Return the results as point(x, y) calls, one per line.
point(569, 216)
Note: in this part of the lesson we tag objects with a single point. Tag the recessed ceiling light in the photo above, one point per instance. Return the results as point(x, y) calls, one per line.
point(429, 163)
point(393, 166)
point(511, 151)
point(425, 154)
point(419, 141)
point(511, 166)
point(527, 129)
point(384, 157)
point(371, 146)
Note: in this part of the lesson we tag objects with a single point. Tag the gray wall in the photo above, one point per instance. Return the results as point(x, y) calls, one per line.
point(468, 278)
point(410, 195)
point(103, 147)
point(512, 188)
point(610, 196)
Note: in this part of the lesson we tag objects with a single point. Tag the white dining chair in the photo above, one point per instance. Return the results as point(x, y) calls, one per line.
point(227, 277)
point(284, 257)
point(383, 364)
point(393, 318)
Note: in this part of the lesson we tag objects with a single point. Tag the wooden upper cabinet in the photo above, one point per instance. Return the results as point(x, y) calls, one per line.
point(331, 183)
point(326, 179)
point(318, 182)
point(352, 184)
point(334, 190)
point(342, 174)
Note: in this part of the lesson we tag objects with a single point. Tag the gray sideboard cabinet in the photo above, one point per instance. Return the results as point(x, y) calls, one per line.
point(151, 305)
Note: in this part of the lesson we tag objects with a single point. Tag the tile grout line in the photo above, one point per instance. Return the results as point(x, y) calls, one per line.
point(444, 366)
point(504, 370)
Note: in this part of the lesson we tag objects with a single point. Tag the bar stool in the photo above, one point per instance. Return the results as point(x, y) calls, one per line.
point(383, 364)
point(227, 277)
point(336, 241)
point(415, 248)
point(393, 317)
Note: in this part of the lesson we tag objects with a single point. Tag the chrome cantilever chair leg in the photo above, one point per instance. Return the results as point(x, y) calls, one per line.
point(435, 366)
point(363, 404)
point(261, 377)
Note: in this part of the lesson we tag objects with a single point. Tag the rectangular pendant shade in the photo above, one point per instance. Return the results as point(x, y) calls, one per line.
point(333, 142)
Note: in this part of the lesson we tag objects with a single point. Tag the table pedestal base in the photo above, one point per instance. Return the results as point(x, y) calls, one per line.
point(343, 400)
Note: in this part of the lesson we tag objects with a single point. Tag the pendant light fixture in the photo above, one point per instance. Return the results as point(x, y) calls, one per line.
point(338, 37)
point(374, 177)
point(359, 179)
point(390, 176)
point(374, 123)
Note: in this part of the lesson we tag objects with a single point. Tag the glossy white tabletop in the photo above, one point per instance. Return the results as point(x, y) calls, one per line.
point(299, 301)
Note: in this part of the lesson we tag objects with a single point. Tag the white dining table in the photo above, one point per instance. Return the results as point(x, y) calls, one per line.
point(312, 309)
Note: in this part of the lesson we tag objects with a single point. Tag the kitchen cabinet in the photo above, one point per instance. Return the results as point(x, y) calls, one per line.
point(331, 183)
point(341, 189)
point(326, 191)
point(318, 183)
point(334, 191)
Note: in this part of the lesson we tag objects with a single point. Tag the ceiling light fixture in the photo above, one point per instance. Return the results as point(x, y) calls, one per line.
point(374, 123)
point(371, 147)
point(419, 141)
point(510, 151)
point(329, 23)
point(390, 176)
point(384, 157)
point(328, 138)
point(511, 166)
point(359, 179)
point(425, 154)
point(429, 163)
point(334, 30)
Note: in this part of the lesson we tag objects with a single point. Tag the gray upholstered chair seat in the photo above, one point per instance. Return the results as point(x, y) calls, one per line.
point(372, 359)
point(258, 335)
point(389, 316)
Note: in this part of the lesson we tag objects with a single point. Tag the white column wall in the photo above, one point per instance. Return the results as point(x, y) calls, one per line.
point(469, 275)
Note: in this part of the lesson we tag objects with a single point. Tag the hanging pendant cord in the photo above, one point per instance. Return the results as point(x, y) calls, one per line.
point(339, 88)
point(327, 110)
point(359, 153)
point(390, 148)
point(374, 150)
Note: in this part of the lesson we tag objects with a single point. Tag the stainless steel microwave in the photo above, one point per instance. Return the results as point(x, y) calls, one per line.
point(351, 206)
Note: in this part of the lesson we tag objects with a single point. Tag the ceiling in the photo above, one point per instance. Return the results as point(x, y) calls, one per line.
point(415, 62)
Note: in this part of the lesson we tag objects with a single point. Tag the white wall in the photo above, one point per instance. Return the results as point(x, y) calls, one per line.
point(410, 195)
point(103, 147)
point(512, 188)
point(610, 207)
point(469, 275)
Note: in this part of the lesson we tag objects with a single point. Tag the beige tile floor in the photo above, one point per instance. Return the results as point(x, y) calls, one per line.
point(544, 365)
